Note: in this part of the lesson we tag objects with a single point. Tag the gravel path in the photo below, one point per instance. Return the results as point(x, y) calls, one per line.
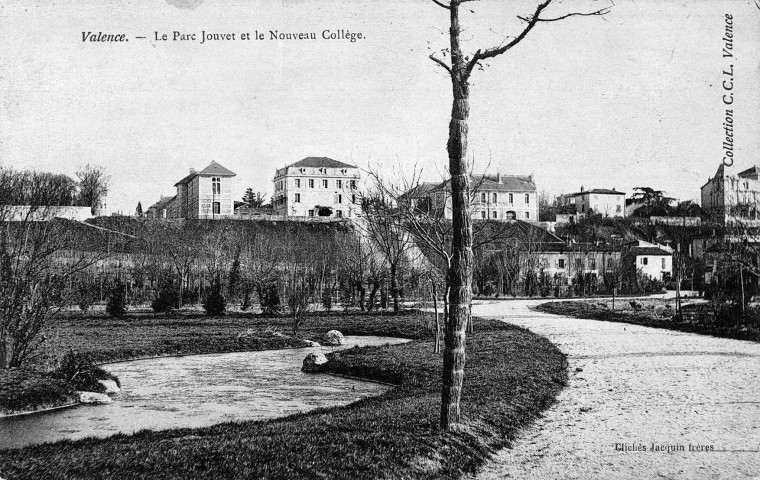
point(632, 387)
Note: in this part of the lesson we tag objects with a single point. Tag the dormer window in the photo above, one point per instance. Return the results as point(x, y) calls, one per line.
point(344, 171)
point(303, 170)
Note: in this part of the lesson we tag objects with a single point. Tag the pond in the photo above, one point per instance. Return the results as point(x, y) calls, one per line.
point(198, 391)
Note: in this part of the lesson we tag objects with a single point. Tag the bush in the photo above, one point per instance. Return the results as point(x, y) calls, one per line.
point(327, 299)
point(269, 298)
point(167, 298)
point(116, 303)
point(81, 373)
point(190, 296)
point(85, 295)
point(215, 304)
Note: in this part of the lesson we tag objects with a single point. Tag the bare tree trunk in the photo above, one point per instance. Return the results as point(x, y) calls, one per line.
point(741, 280)
point(5, 347)
point(459, 276)
point(437, 348)
point(362, 294)
point(394, 288)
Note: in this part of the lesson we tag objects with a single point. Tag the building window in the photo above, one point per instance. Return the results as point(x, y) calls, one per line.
point(216, 185)
point(511, 198)
point(527, 214)
point(353, 184)
point(298, 183)
point(311, 213)
point(482, 198)
point(339, 213)
point(592, 264)
point(578, 264)
point(338, 183)
point(618, 209)
point(494, 215)
point(609, 264)
point(217, 208)
point(663, 263)
point(645, 261)
point(527, 198)
point(561, 263)
point(493, 198)
point(340, 198)
point(297, 198)
point(353, 198)
point(483, 214)
point(324, 183)
point(311, 183)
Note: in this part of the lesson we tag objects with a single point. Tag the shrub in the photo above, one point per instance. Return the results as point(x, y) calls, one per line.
point(116, 303)
point(215, 304)
point(84, 296)
point(190, 296)
point(167, 298)
point(82, 374)
point(327, 299)
point(269, 297)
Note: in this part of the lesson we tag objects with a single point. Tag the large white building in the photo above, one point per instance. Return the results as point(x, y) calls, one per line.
point(317, 187)
point(495, 197)
point(733, 197)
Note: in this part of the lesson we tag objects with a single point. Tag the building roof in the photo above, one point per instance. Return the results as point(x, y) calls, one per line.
point(315, 162)
point(751, 172)
point(499, 183)
point(213, 169)
point(650, 251)
point(504, 183)
point(521, 232)
point(600, 191)
point(163, 202)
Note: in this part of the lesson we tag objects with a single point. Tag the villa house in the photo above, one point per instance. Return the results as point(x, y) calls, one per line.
point(316, 187)
point(495, 197)
point(602, 201)
point(206, 194)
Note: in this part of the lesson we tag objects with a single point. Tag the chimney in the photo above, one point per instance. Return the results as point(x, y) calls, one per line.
point(581, 188)
point(192, 170)
point(498, 177)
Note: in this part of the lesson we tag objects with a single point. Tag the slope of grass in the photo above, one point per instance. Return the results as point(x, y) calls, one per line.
point(511, 376)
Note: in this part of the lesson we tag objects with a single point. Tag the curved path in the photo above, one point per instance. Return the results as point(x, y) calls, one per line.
point(632, 387)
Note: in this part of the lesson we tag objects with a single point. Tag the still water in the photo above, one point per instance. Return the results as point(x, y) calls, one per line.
point(198, 391)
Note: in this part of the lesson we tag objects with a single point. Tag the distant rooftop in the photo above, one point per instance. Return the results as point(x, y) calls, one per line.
point(316, 162)
point(500, 183)
point(600, 191)
point(213, 169)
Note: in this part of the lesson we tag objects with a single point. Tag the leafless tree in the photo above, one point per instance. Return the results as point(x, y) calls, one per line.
point(93, 186)
point(38, 254)
point(459, 277)
point(382, 222)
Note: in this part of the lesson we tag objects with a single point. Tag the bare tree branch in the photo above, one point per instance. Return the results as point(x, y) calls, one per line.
point(441, 63)
point(532, 20)
point(441, 4)
point(574, 14)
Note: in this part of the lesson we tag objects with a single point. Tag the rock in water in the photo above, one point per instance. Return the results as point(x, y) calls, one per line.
point(334, 337)
point(312, 362)
point(92, 397)
point(111, 386)
point(311, 343)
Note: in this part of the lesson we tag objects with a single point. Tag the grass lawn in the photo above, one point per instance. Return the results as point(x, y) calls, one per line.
point(511, 376)
point(658, 313)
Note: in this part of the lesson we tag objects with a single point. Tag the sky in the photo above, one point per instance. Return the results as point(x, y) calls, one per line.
point(631, 98)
